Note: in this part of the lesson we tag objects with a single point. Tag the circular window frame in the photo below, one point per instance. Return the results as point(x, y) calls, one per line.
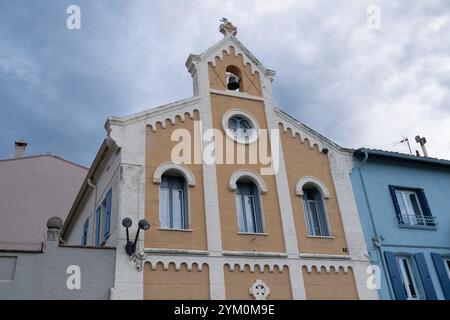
point(242, 113)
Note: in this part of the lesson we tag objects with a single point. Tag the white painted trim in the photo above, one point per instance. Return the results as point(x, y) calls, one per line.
point(254, 254)
point(175, 251)
point(186, 172)
point(314, 181)
point(323, 256)
point(236, 94)
point(247, 174)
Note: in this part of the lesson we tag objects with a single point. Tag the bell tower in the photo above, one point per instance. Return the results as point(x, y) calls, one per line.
point(229, 66)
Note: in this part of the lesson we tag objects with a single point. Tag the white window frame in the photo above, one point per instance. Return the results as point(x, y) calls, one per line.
point(411, 215)
point(185, 214)
point(404, 276)
point(257, 207)
point(309, 217)
point(310, 220)
point(447, 266)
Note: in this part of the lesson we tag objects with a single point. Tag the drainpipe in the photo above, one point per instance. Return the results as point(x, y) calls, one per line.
point(377, 238)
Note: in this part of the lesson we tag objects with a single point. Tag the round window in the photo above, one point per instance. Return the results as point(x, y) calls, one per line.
point(240, 126)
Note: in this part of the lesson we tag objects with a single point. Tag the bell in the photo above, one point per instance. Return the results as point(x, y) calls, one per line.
point(233, 83)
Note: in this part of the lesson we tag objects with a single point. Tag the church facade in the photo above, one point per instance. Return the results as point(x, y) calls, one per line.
point(243, 201)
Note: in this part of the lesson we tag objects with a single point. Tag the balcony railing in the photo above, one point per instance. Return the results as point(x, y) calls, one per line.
point(417, 220)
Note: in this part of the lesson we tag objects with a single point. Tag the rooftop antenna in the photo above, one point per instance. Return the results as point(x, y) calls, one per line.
point(422, 141)
point(405, 140)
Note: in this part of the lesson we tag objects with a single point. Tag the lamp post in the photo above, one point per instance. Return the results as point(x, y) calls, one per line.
point(130, 247)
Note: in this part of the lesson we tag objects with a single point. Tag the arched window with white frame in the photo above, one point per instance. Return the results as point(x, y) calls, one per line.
point(173, 208)
point(174, 180)
point(248, 186)
point(313, 193)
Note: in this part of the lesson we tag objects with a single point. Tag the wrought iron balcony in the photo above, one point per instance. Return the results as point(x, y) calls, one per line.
point(417, 220)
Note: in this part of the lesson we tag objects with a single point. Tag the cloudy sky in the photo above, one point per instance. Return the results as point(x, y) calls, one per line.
point(359, 86)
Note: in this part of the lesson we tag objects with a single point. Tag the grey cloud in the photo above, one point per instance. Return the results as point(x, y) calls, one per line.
point(359, 87)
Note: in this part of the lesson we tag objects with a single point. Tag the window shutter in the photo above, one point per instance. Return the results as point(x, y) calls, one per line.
point(85, 232)
point(97, 225)
point(425, 276)
point(394, 274)
point(108, 215)
point(442, 274)
point(424, 202)
point(394, 199)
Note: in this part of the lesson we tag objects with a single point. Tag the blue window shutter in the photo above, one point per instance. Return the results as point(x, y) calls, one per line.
point(425, 276)
point(108, 215)
point(394, 274)
point(424, 202)
point(97, 225)
point(394, 199)
point(442, 274)
point(85, 232)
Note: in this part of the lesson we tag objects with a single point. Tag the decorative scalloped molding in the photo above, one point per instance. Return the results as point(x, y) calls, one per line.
point(173, 109)
point(185, 171)
point(327, 266)
point(224, 46)
point(261, 265)
point(249, 174)
point(219, 54)
point(316, 182)
point(305, 133)
point(238, 263)
point(171, 116)
point(295, 130)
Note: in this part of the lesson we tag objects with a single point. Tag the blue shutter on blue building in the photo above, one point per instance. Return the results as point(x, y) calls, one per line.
point(98, 214)
point(442, 274)
point(394, 274)
point(394, 199)
point(108, 215)
point(425, 276)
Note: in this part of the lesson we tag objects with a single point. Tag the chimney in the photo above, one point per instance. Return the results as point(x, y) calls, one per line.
point(20, 146)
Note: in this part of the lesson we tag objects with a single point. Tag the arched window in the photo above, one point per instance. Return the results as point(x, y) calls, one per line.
point(315, 211)
point(248, 205)
point(173, 208)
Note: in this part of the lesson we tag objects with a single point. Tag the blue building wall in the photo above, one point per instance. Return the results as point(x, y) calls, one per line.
point(371, 178)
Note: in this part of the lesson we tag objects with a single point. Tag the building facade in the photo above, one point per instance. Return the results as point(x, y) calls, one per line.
point(244, 201)
point(405, 214)
point(57, 271)
point(33, 189)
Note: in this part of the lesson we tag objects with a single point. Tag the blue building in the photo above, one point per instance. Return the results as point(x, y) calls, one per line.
point(404, 204)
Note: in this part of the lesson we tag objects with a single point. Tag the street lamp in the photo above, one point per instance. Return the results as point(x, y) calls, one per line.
point(130, 247)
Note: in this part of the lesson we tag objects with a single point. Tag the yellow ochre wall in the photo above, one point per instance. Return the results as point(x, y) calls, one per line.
point(329, 286)
point(273, 240)
point(158, 151)
point(238, 283)
point(171, 284)
point(300, 161)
